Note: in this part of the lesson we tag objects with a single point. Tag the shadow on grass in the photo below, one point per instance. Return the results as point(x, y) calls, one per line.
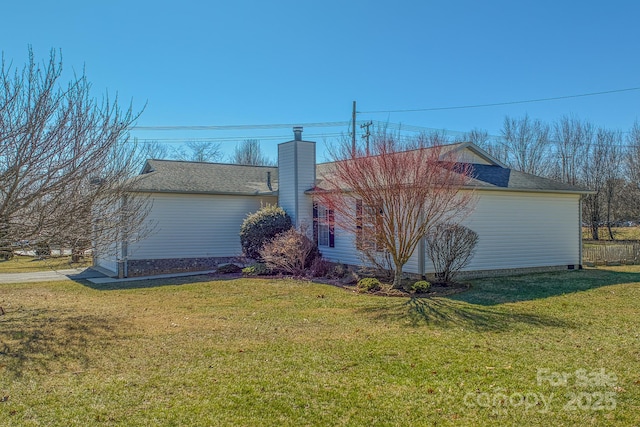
point(53, 341)
point(500, 290)
point(447, 313)
point(156, 283)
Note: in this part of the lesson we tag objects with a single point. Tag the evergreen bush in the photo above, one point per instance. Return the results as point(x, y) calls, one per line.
point(260, 227)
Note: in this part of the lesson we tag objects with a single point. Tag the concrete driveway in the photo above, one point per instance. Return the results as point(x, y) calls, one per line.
point(50, 275)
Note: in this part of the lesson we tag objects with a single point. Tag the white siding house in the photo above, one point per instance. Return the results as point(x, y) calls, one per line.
point(195, 217)
point(525, 229)
point(207, 229)
point(516, 230)
point(523, 221)
point(106, 257)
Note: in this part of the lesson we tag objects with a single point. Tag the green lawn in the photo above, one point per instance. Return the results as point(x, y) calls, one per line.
point(547, 349)
point(25, 264)
point(619, 233)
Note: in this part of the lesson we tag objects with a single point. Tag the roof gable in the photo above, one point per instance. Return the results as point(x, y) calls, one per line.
point(487, 173)
point(468, 152)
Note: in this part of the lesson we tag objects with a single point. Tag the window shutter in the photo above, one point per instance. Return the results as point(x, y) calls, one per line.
point(379, 225)
point(315, 222)
point(331, 220)
point(359, 224)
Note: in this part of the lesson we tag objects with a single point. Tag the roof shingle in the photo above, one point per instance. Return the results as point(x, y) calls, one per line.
point(170, 176)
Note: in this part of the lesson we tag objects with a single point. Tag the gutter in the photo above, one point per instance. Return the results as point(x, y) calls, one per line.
point(529, 190)
point(470, 188)
point(208, 193)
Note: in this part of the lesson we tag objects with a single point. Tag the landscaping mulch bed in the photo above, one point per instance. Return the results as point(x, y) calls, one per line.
point(436, 290)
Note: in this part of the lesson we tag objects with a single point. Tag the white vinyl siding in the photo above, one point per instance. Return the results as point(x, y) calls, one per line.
point(344, 249)
point(519, 229)
point(106, 252)
point(105, 257)
point(296, 174)
point(286, 178)
point(469, 156)
point(515, 229)
point(194, 226)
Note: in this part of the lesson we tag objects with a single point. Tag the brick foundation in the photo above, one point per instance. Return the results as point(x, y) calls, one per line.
point(151, 267)
point(481, 274)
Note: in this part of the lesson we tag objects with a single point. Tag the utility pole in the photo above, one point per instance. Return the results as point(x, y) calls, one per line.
point(353, 130)
point(367, 134)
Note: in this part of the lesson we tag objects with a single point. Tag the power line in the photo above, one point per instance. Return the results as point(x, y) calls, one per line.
point(230, 138)
point(242, 127)
point(495, 104)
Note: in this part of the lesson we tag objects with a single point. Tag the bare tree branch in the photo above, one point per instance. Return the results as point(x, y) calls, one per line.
point(195, 151)
point(527, 145)
point(61, 151)
point(249, 153)
point(405, 191)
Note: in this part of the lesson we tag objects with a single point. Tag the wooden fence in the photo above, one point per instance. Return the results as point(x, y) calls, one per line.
point(600, 253)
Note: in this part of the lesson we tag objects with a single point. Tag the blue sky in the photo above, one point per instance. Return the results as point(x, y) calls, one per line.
point(215, 63)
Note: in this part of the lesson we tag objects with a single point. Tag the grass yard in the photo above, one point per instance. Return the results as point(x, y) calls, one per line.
point(620, 233)
point(547, 349)
point(25, 264)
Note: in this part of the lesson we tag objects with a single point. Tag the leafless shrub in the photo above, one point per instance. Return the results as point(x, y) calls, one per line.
point(290, 252)
point(450, 247)
point(320, 267)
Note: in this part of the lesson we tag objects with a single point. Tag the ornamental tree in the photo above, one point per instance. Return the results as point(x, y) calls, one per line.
point(391, 193)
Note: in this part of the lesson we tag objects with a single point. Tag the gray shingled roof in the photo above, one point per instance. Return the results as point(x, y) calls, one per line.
point(169, 176)
point(493, 177)
point(496, 177)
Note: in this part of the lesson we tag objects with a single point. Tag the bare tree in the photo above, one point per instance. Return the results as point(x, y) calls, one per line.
point(572, 139)
point(153, 150)
point(198, 151)
point(601, 171)
point(482, 139)
point(614, 182)
point(631, 195)
point(430, 139)
point(390, 197)
point(527, 145)
point(632, 160)
point(62, 154)
point(249, 153)
point(477, 136)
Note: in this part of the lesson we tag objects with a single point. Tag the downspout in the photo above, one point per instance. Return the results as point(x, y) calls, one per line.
point(94, 244)
point(125, 265)
point(580, 231)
